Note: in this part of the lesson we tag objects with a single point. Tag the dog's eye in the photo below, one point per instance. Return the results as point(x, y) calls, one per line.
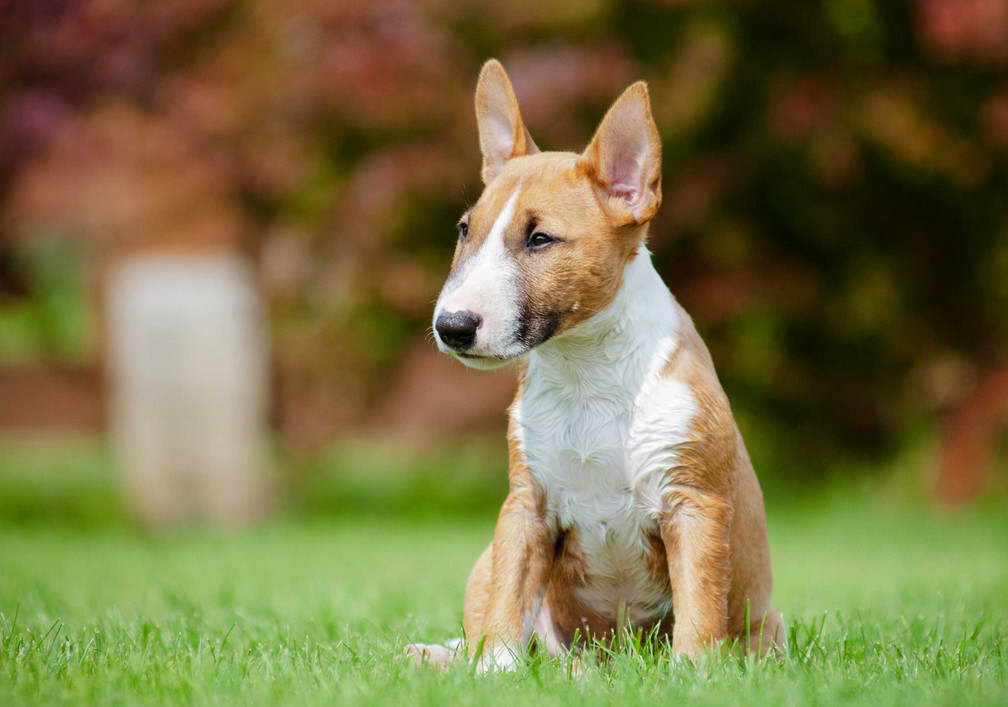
point(540, 240)
point(463, 229)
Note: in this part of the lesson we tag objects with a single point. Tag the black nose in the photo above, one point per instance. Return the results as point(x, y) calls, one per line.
point(458, 329)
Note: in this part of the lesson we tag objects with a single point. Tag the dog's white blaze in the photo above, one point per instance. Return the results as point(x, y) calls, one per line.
point(600, 438)
point(487, 285)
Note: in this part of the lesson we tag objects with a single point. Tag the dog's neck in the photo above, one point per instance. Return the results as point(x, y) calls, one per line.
point(611, 351)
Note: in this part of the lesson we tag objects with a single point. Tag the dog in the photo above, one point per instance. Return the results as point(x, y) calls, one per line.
point(632, 499)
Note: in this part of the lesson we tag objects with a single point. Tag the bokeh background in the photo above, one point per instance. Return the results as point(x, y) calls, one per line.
point(835, 219)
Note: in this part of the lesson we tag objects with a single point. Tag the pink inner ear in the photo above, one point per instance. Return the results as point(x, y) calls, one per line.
point(501, 136)
point(626, 170)
point(624, 191)
point(626, 149)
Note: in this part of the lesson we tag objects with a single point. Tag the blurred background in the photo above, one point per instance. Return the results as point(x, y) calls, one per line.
point(223, 226)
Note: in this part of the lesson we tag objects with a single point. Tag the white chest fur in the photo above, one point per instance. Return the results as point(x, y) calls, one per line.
point(599, 427)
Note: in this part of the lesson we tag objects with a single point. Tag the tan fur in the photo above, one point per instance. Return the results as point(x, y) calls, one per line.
point(714, 527)
point(710, 552)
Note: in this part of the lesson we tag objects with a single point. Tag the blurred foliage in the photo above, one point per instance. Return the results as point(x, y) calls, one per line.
point(55, 323)
point(73, 482)
point(59, 480)
point(835, 177)
point(457, 480)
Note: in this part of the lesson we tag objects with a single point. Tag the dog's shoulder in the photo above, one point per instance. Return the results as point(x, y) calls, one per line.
point(709, 454)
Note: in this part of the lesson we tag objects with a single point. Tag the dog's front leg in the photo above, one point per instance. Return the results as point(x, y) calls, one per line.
point(523, 549)
point(696, 530)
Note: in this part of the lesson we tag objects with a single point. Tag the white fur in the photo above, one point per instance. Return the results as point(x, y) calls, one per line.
point(487, 284)
point(599, 427)
point(434, 653)
point(500, 657)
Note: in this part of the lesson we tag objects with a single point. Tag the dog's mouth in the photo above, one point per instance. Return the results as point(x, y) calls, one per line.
point(485, 363)
point(480, 357)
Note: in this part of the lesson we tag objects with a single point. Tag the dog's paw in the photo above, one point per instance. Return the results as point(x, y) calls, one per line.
point(434, 654)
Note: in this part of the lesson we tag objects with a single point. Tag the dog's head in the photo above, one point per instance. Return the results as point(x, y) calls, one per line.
point(545, 246)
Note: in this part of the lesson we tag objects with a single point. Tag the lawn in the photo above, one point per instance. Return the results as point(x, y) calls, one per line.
point(888, 603)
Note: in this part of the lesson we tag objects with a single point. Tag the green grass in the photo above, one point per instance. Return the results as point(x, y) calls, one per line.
point(888, 603)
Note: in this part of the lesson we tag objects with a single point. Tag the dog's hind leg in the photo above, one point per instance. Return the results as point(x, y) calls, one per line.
point(477, 595)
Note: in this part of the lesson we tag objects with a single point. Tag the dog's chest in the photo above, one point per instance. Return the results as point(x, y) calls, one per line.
point(601, 450)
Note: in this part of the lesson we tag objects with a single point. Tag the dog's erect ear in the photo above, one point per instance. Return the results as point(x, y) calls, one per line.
point(624, 159)
point(502, 134)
